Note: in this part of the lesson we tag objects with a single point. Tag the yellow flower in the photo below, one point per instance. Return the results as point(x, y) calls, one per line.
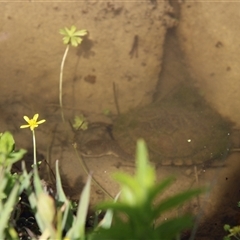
point(32, 123)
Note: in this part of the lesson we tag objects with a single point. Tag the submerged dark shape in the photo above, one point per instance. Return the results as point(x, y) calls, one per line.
point(181, 129)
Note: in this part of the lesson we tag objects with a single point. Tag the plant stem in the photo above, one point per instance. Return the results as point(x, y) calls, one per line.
point(61, 81)
point(85, 168)
point(34, 149)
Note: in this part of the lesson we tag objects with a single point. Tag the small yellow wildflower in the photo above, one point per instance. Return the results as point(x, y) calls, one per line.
point(32, 123)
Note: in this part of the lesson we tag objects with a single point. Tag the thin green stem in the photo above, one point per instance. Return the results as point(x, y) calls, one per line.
point(61, 81)
point(34, 149)
point(85, 168)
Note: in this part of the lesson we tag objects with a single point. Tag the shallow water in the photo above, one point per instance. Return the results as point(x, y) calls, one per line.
point(54, 141)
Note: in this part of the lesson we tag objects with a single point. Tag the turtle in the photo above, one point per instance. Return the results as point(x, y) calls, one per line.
point(181, 130)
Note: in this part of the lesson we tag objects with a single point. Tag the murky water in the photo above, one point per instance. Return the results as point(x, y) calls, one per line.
point(186, 137)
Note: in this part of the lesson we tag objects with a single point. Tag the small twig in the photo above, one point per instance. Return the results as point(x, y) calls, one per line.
point(116, 98)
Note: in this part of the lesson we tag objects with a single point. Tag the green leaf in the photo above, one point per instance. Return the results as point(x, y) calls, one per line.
point(3, 184)
point(78, 229)
point(75, 41)
point(80, 33)
point(25, 178)
point(62, 31)
point(160, 187)
point(137, 203)
point(135, 189)
point(145, 174)
point(12, 233)
point(15, 156)
point(8, 207)
point(7, 143)
point(60, 196)
point(83, 208)
point(131, 192)
point(176, 200)
point(68, 217)
point(226, 238)
point(7, 154)
point(170, 228)
point(37, 182)
point(72, 30)
point(118, 207)
point(107, 220)
point(46, 209)
point(235, 231)
point(31, 195)
point(80, 122)
point(71, 36)
point(226, 227)
point(66, 40)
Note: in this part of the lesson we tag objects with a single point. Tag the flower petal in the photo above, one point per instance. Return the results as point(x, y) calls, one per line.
point(26, 119)
point(35, 117)
point(32, 127)
point(24, 126)
point(32, 123)
point(41, 121)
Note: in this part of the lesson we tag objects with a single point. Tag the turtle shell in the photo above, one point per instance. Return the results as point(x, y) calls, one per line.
point(181, 129)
